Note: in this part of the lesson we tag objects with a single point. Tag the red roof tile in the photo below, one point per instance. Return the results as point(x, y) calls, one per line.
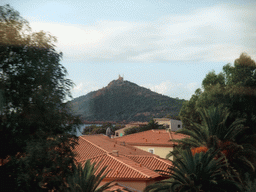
point(130, 163)
point(87, 150)
point(151, 138)
point(107, 145)
point(122, 167)
point(153, 163)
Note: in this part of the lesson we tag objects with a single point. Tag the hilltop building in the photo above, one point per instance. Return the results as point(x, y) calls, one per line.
point(120, 78)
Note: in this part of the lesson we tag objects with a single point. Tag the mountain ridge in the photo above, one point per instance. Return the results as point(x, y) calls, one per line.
point(124, 101)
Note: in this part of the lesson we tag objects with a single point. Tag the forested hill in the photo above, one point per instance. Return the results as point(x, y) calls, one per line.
point(124, 101)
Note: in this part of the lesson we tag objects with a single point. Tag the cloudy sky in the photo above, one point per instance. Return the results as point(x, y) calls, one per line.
point(165, 45)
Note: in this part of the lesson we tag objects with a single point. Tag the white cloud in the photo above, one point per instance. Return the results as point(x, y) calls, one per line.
point(219, 33)
point(83, 88)
point(191, 86)
point(174, 90)
point(162, 88)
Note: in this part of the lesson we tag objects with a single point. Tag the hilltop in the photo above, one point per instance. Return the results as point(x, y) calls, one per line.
point(124, 101)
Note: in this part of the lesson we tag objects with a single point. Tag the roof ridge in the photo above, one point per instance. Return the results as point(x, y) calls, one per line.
point(131, 166)
point(94, 145)
point(159, 158)
point(143, 155)
point(156, 157)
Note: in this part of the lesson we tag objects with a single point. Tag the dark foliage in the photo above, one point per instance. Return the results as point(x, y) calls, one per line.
point(235, 90)
point(87, 178)
point(151, 125)
point(101, 129)
point(201, 172)
point(34, 121)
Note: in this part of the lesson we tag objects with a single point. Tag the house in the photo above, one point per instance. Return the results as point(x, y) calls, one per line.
point(120, 132)
point(171, 124)
point(154, 141)
point(129, 166)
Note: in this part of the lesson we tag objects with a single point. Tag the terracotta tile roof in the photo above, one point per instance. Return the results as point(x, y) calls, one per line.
point(130, 163)
point(154, 163)
point(86, 150)
point(107, 145)
point(152, 137)
point(122, 167)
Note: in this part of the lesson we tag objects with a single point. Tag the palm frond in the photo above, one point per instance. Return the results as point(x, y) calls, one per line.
point(85, 179)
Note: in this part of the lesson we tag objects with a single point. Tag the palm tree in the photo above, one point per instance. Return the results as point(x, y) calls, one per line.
point(200, 172)
point(212, 129)
point(213, 132)
point(85, 178)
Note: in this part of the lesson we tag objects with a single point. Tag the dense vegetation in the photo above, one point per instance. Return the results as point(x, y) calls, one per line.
point(36, 149)
point(151, 125)
point(101, 129)
point(234, 89)
point(220, 153)
point(87, 178)
point(123, 100)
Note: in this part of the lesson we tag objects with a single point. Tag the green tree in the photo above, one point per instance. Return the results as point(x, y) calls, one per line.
point(34, 120)
point(87, 178)
point(189, 110)
point(199, 172)
point(214, 132)
point(151, 125)
point(233, 89)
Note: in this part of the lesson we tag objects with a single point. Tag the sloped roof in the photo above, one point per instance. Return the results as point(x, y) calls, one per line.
point(122, 167)
point(87, 150)
point(153, 162)
point(157, 137)
point(107, 145)
point(130, 163)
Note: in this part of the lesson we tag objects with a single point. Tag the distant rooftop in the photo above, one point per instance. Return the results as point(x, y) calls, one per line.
point(157, 137)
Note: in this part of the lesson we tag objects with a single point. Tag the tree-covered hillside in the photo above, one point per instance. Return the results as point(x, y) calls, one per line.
point(124, 100)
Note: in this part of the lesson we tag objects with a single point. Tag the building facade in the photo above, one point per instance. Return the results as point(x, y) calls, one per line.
point(157, 141)
point(171, 124)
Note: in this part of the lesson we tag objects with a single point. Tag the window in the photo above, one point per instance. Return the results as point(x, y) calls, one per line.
point(151, 151)
point(117, 134)
point(167, 126)
point(178, 126)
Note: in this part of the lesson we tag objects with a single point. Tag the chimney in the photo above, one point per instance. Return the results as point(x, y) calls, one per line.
point(123, 143)
point(115, 153)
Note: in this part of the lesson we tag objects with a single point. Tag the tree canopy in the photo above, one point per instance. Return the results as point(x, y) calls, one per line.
point(223, 115)
point(34, 120)
point(152, 124)
point(234, 88)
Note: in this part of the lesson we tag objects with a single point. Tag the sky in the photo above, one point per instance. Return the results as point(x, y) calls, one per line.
point(167, 46)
